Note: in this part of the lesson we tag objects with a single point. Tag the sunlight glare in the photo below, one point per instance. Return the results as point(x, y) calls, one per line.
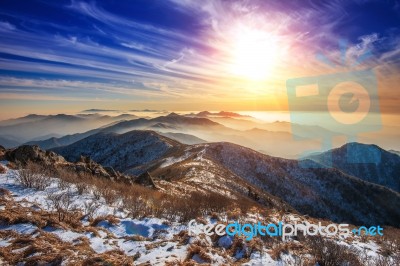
point(254, 54)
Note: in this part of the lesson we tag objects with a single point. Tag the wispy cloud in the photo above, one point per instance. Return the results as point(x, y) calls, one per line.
point(105, 50)
point(6, 26)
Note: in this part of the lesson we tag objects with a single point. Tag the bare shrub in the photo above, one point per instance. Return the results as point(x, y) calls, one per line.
point(82, 187)
point(63, 185)
point(196, 204)
point(137, 206)
point(62, 203)
point(96, 194)
point(327, 252)
point(66, 175)
point(390, 244)
point(383, 261)
point(109, 195)
point(90, 207)
point(33, 176)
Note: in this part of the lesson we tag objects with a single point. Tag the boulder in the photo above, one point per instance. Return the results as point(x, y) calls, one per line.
point(146, 180)
point(26, 153)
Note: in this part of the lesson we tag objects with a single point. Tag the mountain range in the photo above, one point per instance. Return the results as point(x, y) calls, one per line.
point(41, 127)
point(329, 193)
point(277, 140)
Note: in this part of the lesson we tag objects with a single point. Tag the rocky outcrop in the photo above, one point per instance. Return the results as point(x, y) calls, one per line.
point(2, 152)
point(85, 164)
point(27, 153)
point(146, 180)
point(24, 154)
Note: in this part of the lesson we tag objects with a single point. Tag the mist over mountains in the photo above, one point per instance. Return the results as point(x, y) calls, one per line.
point(273, 138)
point(170, 146)
point(221, 158)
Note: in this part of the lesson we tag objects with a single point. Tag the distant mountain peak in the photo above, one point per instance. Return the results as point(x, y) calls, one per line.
point(368, 162)
point(204, 113)
point(173, 115)
point(220, 114)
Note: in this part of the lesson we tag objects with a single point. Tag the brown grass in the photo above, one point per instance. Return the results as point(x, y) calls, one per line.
point(201, 251)
point(109, 218)
point(138, 200)
point(43, 248)
point(3, 170)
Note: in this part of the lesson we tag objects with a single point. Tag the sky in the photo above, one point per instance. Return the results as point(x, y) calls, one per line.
point(67, 56)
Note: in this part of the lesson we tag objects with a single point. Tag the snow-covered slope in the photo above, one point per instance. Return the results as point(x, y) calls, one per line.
point(325, 193)
point(31, 234)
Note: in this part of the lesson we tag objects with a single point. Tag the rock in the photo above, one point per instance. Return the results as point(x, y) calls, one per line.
point(111, 171)
point(26, 153)
point(146, 180)
point(2, 152)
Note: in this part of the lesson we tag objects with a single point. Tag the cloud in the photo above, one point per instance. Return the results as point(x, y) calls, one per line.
point(6, 26)
point(110, 50)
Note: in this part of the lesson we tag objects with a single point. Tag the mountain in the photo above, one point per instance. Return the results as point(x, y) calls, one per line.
point(220, 114)
point(124, 152)
point(47, 136)
point(183, 138)
point(385, 172)
point(25, 119)
point(272, 142)
point(98, 110)
point(8, 142)
point(322, 193)
point(34, 126)
point(325, 193)
point(230, 168)
point(161, 126)
point(270, 138)
point(168, 123)
point(395, 152)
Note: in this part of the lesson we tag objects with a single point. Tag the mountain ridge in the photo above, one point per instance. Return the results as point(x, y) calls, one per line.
point(324, 193)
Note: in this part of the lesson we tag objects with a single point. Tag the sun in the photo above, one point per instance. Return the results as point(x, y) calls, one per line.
point(254, 54)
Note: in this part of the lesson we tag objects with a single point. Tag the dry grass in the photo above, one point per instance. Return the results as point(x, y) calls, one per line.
point(196, 249)
point(113, 257)
point(109, 218)
point(3, 170)
point(138, 200)
point(44, 248)
point(12, 166)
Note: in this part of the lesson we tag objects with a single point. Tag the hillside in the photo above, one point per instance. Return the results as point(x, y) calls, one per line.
point(377, 165)
point(61, 224)
point(324, 193)
point(124, 152)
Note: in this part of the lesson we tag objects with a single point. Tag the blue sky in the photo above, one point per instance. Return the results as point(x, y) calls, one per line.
point(58, 56)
